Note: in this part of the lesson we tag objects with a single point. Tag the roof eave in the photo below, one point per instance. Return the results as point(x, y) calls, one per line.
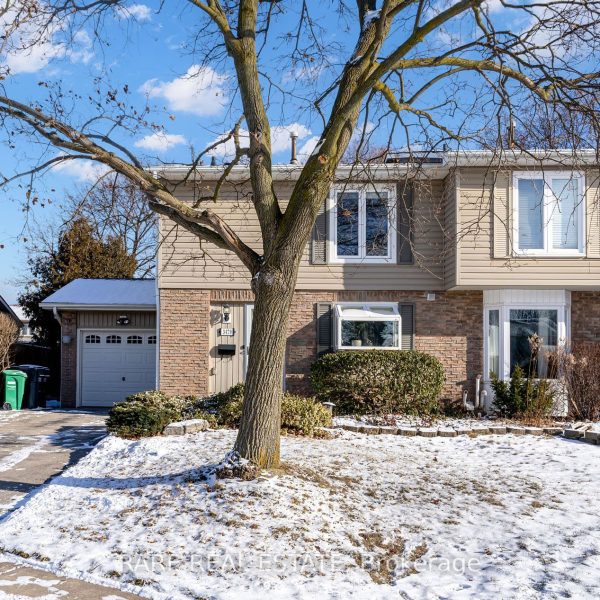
point(96, 307)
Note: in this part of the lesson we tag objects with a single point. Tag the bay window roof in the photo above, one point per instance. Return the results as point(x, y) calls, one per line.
point(368, 312)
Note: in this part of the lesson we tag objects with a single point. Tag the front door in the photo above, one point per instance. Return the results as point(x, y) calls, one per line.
point(231, 325)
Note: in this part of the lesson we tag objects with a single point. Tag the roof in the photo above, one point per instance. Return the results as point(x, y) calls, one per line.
point(386, 171)
point(104, 294)
point(5, 308)
point(18, 310)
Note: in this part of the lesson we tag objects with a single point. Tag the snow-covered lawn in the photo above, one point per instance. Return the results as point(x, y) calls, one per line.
point(351, 517)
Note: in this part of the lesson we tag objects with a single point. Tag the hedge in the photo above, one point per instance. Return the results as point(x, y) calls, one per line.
point(148, 413)
point(379, 381)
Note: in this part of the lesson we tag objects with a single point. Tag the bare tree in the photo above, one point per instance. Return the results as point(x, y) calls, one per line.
point(9, 336)
point(116, 208)
point(434, 72)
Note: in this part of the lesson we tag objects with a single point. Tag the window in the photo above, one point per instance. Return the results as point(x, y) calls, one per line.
point(493, 341)
point(549, 215)
point(526, 327)
point(113, 339)
point(367, 326)
point(516, 318)
point(361, 223)
point(152, 339)
point(92, 339)
point(135, 339)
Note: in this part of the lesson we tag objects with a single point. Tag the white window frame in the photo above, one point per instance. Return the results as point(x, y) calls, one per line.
point(366, 305)
point(549, 201)
point(563, 312)
point(362, 191)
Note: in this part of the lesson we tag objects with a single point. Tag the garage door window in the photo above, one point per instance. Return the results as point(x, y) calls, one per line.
point(152, 339)
point(135, 339)
point(113, 339)
point(92, 339)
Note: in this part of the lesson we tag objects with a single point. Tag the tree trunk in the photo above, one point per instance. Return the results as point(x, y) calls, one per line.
point(260, 425)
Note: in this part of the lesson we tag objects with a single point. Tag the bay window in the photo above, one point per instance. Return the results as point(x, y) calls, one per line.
point(362, 225)
point(549, 213)
point(513, 320)
point(375, 325)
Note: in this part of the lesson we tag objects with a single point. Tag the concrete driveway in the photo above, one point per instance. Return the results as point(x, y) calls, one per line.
point(34, 447)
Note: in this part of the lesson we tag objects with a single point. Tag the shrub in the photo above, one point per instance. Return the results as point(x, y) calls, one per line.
point(299, 414)
point(144, 414)
point(302, 415)
point(523, 397)
point(581, 375)
point(379, 381)
point(227, 406)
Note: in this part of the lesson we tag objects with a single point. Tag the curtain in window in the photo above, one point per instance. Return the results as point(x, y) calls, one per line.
point(531, 214)
point(494, 343)
point(565, 215)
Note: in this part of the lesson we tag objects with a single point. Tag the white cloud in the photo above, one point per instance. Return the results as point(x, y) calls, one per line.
point(81, 170)
point(200, 91)
point(308, 148)
point(139, 12)
point(29, 44)
point(280, 140)
point(160, 142)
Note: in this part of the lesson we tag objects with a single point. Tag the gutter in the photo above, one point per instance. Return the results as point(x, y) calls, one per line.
point(101, 307)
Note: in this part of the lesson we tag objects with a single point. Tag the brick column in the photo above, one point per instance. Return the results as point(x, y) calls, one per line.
point(68, 361)
point(184, 341)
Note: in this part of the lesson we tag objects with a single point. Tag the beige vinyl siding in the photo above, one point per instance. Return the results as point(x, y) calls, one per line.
point(108, 320)
point(226, 371)
point(486, 258)
point(451, 185)
point(185, 262)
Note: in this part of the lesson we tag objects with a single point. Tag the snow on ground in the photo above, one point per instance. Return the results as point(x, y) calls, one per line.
point(409, 421)
point(351, 517)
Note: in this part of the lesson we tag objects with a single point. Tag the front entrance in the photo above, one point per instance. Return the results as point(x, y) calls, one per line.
point(230, 328)
point(115, 364)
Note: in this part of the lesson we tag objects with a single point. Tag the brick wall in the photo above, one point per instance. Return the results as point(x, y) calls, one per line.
point(68, 361)
point(450, 328)
point(184, 338)
point(585, 316)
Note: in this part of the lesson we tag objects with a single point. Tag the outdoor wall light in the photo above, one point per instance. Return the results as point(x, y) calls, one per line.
point(66, 339)
point(122, 320)
point(226, 313)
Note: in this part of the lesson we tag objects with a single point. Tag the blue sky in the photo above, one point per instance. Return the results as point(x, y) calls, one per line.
point(158, 57)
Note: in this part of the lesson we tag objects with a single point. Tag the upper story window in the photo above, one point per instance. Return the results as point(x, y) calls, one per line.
point(362, 225)
point(549, 213)
point(375, 325)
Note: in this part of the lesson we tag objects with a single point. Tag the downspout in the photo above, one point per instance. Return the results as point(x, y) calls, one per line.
point(55, 313)
point(157, 294)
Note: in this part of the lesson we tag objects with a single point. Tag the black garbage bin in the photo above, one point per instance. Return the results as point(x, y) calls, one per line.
point(37, 377)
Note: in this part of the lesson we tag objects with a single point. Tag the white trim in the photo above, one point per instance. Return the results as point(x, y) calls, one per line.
point(361, 190)
point(248, 308)
point(396, 318)
point(80, 342)
point(98, 307)
point(548, 201)
point(508, 299)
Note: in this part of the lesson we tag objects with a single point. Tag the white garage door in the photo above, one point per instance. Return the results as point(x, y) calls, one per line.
point(115, 364)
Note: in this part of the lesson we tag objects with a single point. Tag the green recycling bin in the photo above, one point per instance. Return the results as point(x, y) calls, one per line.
point(14, 388)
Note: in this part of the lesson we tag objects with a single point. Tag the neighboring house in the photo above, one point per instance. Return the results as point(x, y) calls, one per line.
point(108, 343)
point(26, 333)
point(7, 309)
point(501, 249)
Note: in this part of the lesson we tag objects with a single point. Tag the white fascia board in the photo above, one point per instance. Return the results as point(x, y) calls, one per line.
point(98, 307)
